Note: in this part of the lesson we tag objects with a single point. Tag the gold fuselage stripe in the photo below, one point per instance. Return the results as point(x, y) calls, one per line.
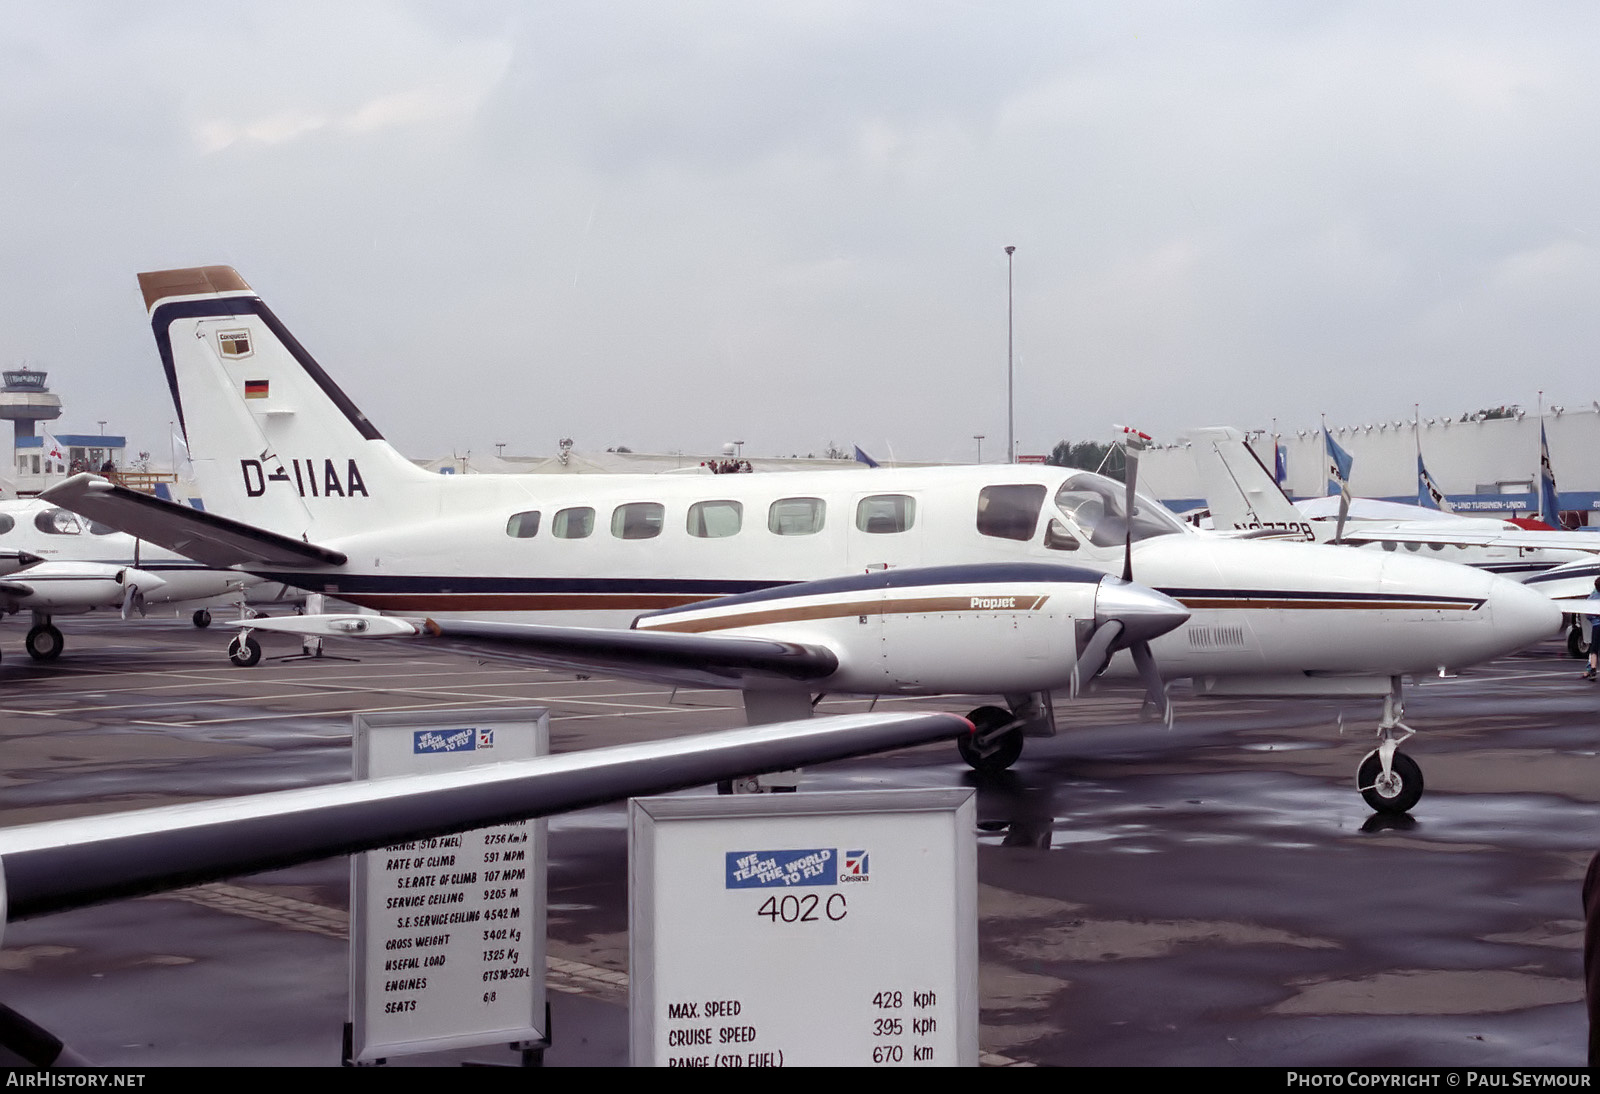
point(927, 605)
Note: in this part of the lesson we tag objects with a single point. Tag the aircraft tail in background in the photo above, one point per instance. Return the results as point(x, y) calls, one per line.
point(1241, 491)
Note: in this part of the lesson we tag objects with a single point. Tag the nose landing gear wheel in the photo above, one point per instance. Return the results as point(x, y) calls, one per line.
point(44, 643)
point(1003, 750)
point(1396, 794)
point(244, 651)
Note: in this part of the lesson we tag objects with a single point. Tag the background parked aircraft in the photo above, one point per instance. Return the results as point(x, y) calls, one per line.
point(66, 565)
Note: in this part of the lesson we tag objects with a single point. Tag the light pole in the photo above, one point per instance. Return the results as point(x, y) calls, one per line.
point(979, 438)
point(1011, 415)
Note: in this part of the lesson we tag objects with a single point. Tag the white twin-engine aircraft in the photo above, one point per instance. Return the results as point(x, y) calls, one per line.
point(988, 579)
point(56, 564)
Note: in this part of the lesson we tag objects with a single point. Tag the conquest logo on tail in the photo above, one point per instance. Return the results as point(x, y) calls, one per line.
point(307, 478)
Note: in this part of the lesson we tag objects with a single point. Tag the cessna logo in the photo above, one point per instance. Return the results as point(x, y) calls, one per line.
point(234, 344)
point(308, 479)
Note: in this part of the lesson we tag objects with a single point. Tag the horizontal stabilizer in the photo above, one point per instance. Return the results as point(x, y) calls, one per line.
point(205, 537)
point(696, 660)
point(55, 865)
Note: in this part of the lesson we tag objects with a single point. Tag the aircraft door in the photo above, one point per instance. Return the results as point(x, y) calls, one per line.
point(884, 532)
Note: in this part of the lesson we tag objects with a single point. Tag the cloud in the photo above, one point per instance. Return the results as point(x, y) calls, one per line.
point(462, 78)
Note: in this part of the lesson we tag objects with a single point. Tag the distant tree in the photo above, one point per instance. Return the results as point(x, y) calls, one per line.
point(834, 452)
point(1089, 456)
point(1489, 414)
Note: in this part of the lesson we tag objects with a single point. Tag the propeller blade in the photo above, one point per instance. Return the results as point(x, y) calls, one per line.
point(1132, 464)
point(132, 600)
point(1155, 689)
point(1096, 653)
point(1133, 443)
point(1128, 617)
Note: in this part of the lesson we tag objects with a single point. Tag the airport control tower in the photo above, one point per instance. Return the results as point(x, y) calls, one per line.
point(25, 401)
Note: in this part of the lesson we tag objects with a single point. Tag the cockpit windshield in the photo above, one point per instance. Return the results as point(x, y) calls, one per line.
point(1095, 505)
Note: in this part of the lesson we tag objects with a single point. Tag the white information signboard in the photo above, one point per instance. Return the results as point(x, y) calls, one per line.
point(447, 934)
point(804, 929)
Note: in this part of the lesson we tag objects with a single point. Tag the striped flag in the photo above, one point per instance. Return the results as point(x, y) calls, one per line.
point(1338, 466)
point(1549, 504)
point(1429, 496)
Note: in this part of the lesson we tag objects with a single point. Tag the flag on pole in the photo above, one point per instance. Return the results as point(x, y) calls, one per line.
point(1549, 506)
point(1338, 466)
point(1429, 496)
point(862, 457)
point(53, 451)
point(1280, 462)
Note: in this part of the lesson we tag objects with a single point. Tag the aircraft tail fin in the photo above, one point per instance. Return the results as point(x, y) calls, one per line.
point(273, 439)
point(1241, 491)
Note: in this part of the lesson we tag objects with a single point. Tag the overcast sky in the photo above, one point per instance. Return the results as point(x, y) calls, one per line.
point(670, 225)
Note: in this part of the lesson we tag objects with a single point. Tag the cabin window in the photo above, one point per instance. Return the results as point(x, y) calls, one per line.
point(1010, 512)
point(98, 529)
point(796, 516)
point(883, 514)
point(6, 524)
point(523, 525)
point(715, 519)
point(573, 524)
point(57, 522)
point(638, 520)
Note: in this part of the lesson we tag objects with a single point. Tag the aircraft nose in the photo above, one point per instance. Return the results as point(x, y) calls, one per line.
point(1144, 613)
point(1521, 615)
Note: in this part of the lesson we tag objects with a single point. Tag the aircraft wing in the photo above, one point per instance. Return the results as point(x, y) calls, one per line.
point(56, 865)
point(1446, 536)
point(684, 660)
point(205, 537)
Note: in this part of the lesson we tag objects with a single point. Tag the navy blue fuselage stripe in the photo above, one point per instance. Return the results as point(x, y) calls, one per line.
point(457, 583)
point(914, 578)
point(164, 315)
point(1588, 570)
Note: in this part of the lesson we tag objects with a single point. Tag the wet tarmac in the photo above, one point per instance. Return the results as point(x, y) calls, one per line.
point(1216, 893)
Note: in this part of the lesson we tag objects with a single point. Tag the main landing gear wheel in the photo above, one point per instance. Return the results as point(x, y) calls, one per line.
point(1396, 794)
point(1003, 750)
point(244, 651)
point(44, 643)
point(202, 619)
point(1576, 646)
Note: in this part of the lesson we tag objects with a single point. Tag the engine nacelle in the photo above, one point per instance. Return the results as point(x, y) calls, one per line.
point(78, 586)
point(998, 628)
